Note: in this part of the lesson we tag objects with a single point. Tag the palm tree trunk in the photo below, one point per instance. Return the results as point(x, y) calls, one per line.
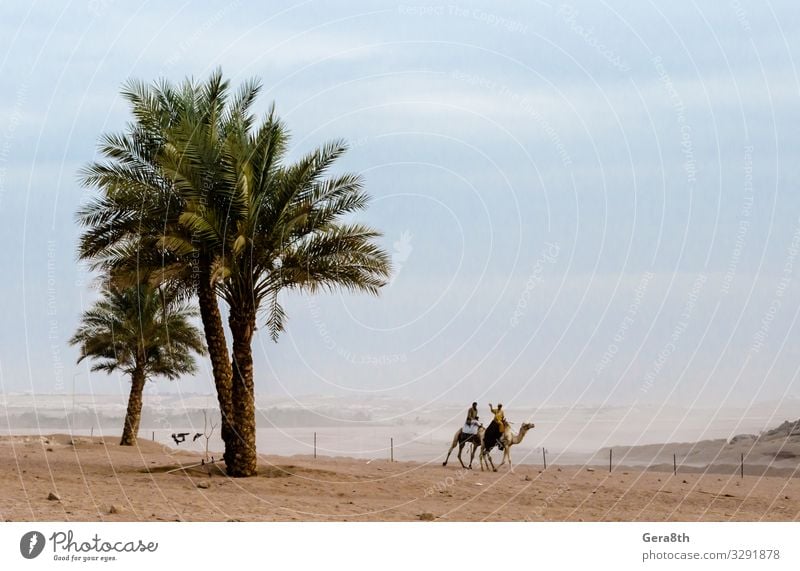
point(134, 414)
point(245, 462)
point(220, 359)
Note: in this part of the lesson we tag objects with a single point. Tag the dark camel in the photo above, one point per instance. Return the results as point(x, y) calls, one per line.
point(509, 439)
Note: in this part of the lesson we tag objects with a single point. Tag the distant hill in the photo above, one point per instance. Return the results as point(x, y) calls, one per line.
point(772, 452)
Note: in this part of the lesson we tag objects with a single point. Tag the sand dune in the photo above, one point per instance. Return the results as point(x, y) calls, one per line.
point(97, 480)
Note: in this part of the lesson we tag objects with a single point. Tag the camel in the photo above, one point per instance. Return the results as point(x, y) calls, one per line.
point(475, 439)
point(509, 439)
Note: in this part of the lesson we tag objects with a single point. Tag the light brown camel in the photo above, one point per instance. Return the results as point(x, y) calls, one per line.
point(509, 439)
point(475, 439)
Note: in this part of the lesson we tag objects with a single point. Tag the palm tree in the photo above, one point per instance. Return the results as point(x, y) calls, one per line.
point(135, 227)
point(143, 332)
point(200, 196)
point(286, 232)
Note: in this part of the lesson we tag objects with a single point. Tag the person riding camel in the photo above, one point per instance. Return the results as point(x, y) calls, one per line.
point(471, 423)
point(500, 421)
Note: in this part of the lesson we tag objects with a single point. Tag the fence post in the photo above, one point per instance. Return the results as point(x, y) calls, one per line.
point(544, 457)
point(315, 445)
point(742, 466)
point(391, 449)
point(609, 460)
point(154, 436)
point(674, 465)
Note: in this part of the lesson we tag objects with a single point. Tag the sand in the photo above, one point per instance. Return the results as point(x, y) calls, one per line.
point(94, 479)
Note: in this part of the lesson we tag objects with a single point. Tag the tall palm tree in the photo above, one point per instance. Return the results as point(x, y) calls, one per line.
point(143, 332)
point(286, 232)
point(197, 188)
point(135, 226)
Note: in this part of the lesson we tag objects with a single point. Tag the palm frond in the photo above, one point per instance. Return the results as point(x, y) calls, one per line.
point(140, 326)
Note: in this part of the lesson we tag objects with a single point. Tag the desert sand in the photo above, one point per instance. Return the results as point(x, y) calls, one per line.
point(58, 478)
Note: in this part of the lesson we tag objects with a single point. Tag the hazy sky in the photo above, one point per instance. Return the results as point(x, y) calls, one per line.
point(585, 203)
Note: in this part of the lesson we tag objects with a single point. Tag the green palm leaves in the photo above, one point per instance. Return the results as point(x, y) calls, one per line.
point(197, 194)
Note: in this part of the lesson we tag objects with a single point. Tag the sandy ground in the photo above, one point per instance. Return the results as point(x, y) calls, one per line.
point(100, 481)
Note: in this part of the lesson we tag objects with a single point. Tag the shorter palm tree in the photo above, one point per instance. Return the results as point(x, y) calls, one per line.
point(144, 332)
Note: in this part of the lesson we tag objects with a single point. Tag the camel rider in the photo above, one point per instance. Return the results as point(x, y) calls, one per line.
point(500, 421)
point(471, 424)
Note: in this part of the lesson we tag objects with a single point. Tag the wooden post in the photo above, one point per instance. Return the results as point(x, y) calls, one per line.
point(544, 457)
point(91, 434)
point(315, 445)
point(391, 449)
point(154, 436)
point(609, 460)
point(741, 469)
point(674, 465)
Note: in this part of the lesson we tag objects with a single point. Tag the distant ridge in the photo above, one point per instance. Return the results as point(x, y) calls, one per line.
point(774, 452)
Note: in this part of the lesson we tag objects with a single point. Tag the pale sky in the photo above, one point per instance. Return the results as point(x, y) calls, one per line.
point(586, 203)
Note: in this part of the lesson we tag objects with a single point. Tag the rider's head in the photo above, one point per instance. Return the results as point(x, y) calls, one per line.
point(499, 406)
point(474, 405)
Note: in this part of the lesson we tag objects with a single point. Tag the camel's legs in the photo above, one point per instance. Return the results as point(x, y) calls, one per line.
point(472, 455)
point(448, 456)
point(507, 456)
point(452, 446)
point(489, 460)
point(460, 449)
